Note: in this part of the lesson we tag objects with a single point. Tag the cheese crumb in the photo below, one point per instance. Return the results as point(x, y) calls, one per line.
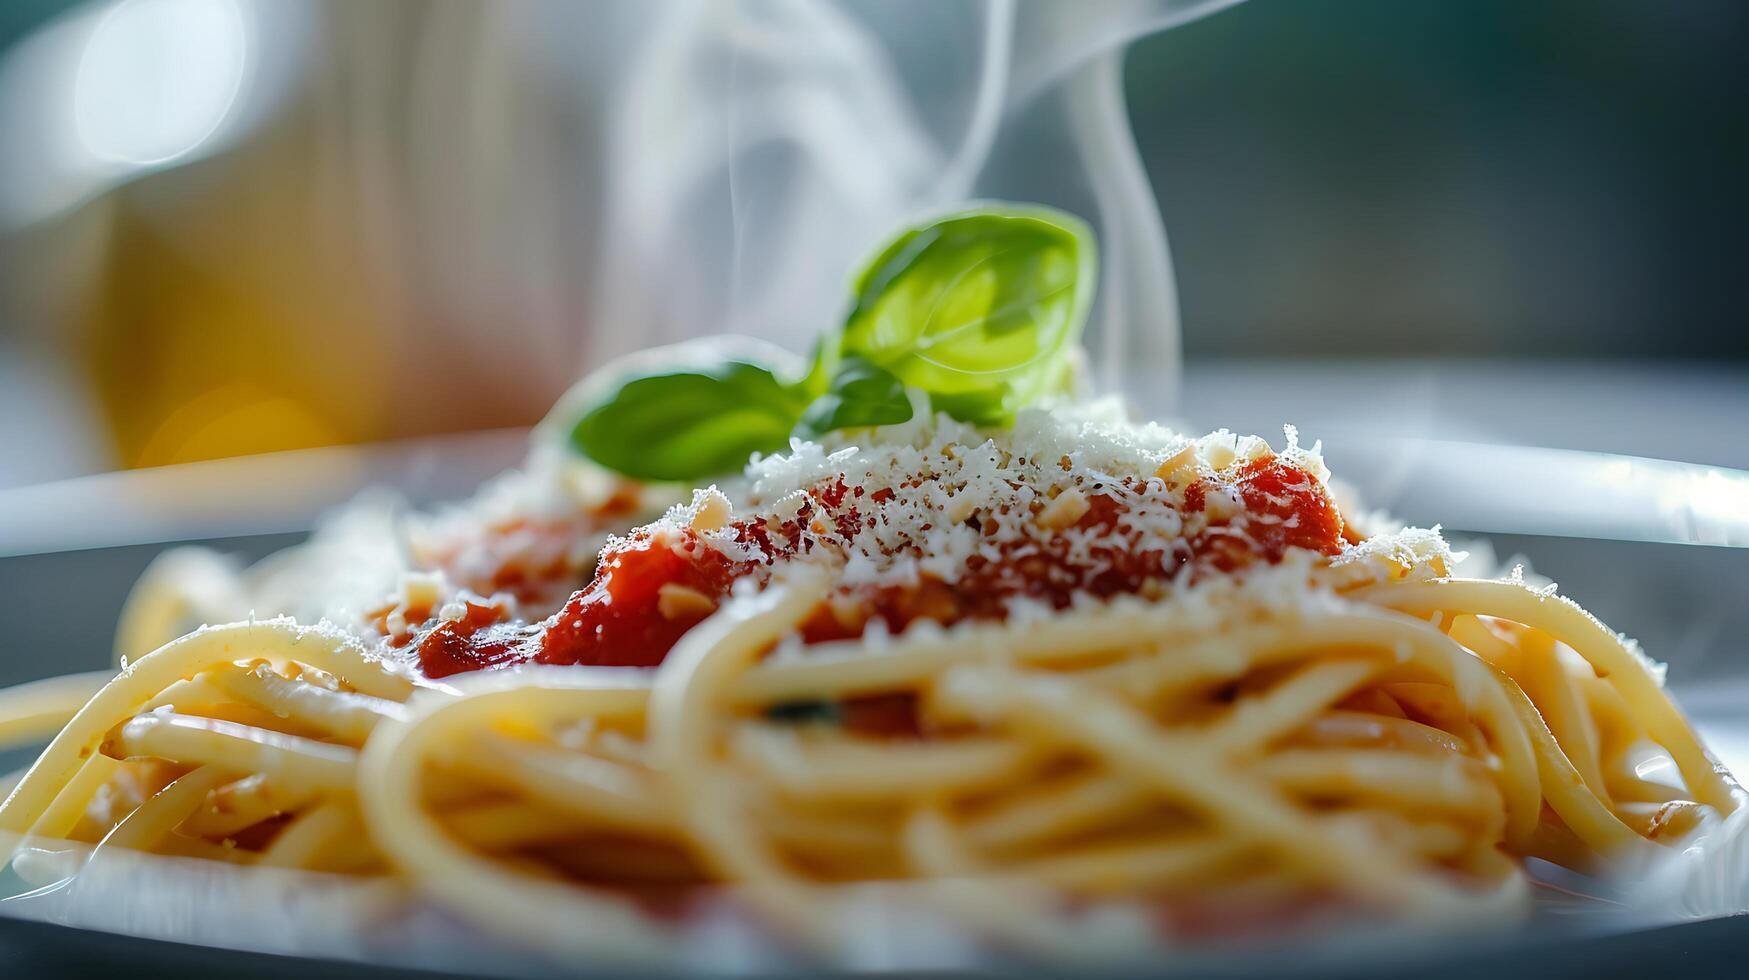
point(1179, 467)
point(1068, 507)
point(711, 509)
point(678, 601)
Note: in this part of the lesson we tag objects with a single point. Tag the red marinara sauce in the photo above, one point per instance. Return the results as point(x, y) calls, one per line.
point(1284, 507)
point(655, 584)
point(619, 620)
point(480, 639)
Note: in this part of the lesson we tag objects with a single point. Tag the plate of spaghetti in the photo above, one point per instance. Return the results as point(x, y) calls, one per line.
point(907, 652)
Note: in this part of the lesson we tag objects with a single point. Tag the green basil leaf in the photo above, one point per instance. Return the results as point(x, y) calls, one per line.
point(977, 308)
point(825, 362)
point(989, 406)
point(996, 405)
point(690, 423)
point(861, 394)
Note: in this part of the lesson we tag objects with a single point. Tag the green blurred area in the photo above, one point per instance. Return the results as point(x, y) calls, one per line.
point(17, 17)
point(1469, 177)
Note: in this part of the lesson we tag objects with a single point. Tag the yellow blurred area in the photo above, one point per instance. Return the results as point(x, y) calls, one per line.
point(236, 308)
point(233, 420)
point(198, 360)
point(333, 256)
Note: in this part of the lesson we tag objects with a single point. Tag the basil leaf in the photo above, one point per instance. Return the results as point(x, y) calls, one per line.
point(825, 361)
point(996, 405)
point(991, 406)
point(976, 308)
point(691, 423)
point(861, 394)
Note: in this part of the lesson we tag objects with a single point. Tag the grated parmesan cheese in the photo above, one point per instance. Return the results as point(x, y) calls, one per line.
point(934, 498)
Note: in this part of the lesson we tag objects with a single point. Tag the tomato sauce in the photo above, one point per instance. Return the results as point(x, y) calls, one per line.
point(480, 639)
point(652, 586)
point(1285, 507)
point(618, 621)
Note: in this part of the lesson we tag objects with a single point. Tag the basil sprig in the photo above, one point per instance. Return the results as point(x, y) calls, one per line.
point(977, 309)
point(684, 424)
point(861, 394)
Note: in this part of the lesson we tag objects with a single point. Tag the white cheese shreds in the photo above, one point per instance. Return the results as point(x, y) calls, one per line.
point(938, 499)
point(1422, 552)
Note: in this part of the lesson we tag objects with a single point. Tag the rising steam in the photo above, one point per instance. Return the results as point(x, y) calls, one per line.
point(758, 148)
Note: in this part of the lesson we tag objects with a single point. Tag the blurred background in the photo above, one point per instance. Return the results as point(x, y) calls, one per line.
point(232, 227)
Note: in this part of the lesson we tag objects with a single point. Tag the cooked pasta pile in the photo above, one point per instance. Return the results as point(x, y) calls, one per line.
point(1389, 749)
point(1154, 670)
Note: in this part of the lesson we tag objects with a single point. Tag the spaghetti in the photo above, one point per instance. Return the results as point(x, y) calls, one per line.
point(1075, 661)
